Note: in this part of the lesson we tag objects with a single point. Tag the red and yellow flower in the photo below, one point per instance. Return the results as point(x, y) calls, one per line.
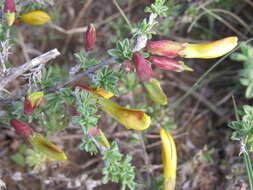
point(32, 101)
point(38, 142)
point(9, 12)
point(206, 50)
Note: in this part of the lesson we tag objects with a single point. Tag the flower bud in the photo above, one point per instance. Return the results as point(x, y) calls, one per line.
point(155, 92)
point(127, 66)
point(169, 64)
point(100, 136)
point(209, 50)
point(130, 118)
point(23, 129)
point(32, 101)
point(9, 12)
point(35, 18)
point(164, 48)
point(169, 157)
point(143, 69)
point(49, 149)
point(90, 37)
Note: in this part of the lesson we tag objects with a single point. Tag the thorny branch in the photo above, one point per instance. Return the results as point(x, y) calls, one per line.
point(17, 71)
point(139, 43)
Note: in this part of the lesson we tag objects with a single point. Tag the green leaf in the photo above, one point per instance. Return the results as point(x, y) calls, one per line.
point(249, 91)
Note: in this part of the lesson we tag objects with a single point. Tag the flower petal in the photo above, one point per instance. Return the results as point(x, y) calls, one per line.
point(35, 18)
point(32, 101)
point(169, 157)
point(49, 149)
point(169, 64)
point(155, 92)
point(164, 47)
point(130, 118)
point(209, 50)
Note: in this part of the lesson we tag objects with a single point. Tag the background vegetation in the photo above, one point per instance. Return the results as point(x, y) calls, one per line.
point(207, 158)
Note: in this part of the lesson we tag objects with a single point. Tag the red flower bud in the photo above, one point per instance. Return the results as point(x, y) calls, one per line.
point(90, 37)
point(169, 64)
point(9, 12)
point(165, 48)
point(143, 69)
point(23, 129)
point(9, 6)
point(127, 66)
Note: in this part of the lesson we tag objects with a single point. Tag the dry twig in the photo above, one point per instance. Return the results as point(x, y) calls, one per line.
point(17, 71)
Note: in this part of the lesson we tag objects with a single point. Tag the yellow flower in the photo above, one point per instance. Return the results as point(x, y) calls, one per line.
point(49, 149)
point(94, 91)
point(35, 18)
point(32, 101)
point(169, 157)
point(105, 94)
point(209, 50)
point(155, 91)
point(130, 118)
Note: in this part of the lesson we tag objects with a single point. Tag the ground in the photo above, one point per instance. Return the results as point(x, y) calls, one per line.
point(207, 158)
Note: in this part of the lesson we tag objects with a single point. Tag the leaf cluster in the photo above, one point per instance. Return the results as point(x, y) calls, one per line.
point(246, 74)
point(106, 79)
point(122, 52)
point(88, 145)
point(244, 127)
point(84, 61)
point(87, 109)
point(145, 28)
point(157, 7)
point(118, 168)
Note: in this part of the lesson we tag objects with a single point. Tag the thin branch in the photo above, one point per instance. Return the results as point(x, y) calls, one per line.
point(17, 71)
point(85, 73)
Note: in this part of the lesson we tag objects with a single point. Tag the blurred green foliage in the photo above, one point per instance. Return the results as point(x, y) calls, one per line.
point(246, 73)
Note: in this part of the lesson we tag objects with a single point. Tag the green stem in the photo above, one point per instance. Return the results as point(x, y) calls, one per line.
point(249, 168)
point(122, 14)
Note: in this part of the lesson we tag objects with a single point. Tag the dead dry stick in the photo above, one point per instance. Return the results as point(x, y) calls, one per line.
point(17, 71)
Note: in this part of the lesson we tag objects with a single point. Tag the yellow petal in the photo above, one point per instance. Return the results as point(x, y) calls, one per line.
point(130, 118)
point(103, 140)
point(49, 149)
point(35, 18)
point(169, 157)
point(105, 94)
point(9, 18)
point(155, 92)
point(36, 98)
point(209, 50)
